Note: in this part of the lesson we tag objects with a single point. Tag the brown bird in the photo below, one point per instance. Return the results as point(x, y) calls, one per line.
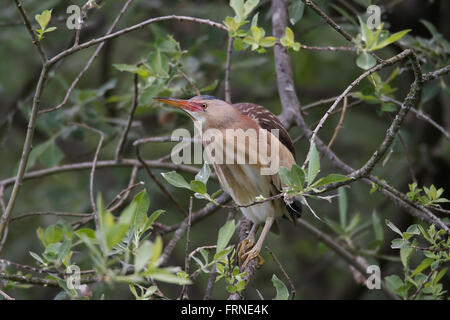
point(245, 180)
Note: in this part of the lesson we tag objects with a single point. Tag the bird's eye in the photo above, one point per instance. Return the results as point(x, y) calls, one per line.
point(204, 106)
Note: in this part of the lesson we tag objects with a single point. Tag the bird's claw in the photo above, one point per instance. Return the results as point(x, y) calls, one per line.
point(246, 252)
point(250, 255)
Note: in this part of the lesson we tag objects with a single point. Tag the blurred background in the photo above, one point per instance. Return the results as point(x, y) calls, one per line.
point(103, 97)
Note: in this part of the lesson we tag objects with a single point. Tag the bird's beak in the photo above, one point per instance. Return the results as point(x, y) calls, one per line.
point(180, 103)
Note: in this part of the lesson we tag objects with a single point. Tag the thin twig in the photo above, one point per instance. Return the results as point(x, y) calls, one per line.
point(211, 282)
point(339, 125)
point(49, 213)
point(101, 164)
point(159, 184)
point(25, 152)
point(404, 54)
point(123, 138)
point(228, 70)
point(4, 295)
point(343, 253)
point(124, 193)
point(334, 25)
point(291, 285)
point(180, 228)
point(121, 195)
point(422, 285)
point(328, 48)
point(88, 64)
point(30, 30)
point(94, 165)
point(184, 293)
point(138, 26)
point(189, 81)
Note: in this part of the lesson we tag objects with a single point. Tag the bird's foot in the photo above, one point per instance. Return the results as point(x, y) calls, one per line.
point(243, 247)
point(247, 251)
point(248, 256)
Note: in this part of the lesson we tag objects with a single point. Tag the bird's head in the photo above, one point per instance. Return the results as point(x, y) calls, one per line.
point(210, 111)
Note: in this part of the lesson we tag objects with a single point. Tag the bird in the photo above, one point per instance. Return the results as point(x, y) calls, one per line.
point(244, 180)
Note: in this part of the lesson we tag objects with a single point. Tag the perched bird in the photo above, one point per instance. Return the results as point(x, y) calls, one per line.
point(246, 180)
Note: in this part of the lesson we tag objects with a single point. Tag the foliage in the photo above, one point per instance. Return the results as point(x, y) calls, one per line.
point(424, 280)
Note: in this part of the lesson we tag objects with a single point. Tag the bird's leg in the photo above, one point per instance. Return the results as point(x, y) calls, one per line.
point(254, 252)
point(247, 243)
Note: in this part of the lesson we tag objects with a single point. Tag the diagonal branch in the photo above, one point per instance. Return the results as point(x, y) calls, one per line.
point(27, 23)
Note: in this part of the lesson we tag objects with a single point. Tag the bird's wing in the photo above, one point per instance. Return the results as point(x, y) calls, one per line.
point(267, 120)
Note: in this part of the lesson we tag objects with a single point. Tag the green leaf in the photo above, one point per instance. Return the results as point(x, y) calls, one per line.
point(89, 233)
point(398, 243)
point(392, 38)
point(314, 164)
point(159, 63)
point(115, 234)
point(142, 204)
point(405, 255)
point(44, 18)
point(249, 6)
point(342, 206)
point(365, 61)
point(440, 275)
point(52, 155)
point(297, 176)
point(203, 174)
point(224, 236)
point(388, 107)
point(393, 282)
point(176, 179)
point(331, 178)
point(295, 10)
point(165, 275)
point(37, 257)
point(53, 234)
point(367, 35)
point(284, 174)
point(422, 266)
point(198, 186)
point(282, 291)
point(238, 7)
point(393, 228)
point(377, 227)
point(268, 42)
point(152, 219)
point(157, 250)
point(143, 255)
point(141, 71)
point(50, 29)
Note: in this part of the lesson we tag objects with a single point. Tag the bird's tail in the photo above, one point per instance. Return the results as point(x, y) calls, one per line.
point(294, 207)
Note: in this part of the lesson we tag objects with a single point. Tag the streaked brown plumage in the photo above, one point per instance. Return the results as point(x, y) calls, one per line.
point(245, 181)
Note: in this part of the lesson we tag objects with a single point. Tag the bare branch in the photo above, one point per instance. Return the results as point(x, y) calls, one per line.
point(50, 213)
point(159, 184)
point(138, 26)
point(100, 164)
point(184, 293)
point(343, 253)
point(4, 295)
point(94, 164)
point(25, 152)
point(228, 70)
point(90, 61)
point(404, 54)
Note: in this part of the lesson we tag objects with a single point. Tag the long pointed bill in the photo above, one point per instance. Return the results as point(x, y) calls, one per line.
point(180, 103)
